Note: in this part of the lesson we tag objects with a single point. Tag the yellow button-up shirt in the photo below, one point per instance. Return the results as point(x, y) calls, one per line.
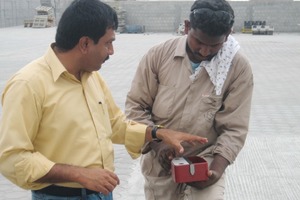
point(50, 117)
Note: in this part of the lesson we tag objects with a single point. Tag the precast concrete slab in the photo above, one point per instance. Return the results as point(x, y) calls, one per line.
point(268, 167)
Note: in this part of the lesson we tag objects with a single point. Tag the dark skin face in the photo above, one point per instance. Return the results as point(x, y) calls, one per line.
point(200, 46)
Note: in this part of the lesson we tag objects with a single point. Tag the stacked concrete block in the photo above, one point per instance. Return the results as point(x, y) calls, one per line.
point(44, 18)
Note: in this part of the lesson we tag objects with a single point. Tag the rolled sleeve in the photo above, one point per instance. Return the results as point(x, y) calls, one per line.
point(135, 138)
point(31, 169)
point(225, 152)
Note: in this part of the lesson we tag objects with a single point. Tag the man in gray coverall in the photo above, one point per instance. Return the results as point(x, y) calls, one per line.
point(198, 83)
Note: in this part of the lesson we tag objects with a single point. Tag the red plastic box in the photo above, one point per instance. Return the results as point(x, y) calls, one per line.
point(189, 169)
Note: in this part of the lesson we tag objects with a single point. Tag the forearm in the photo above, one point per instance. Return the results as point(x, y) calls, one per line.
point(160, 134)
point(96, 179)
point(62, 173)
point(148, 136)
point(219, 164)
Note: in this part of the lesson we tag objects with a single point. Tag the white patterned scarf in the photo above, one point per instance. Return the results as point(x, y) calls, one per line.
point(218, 67)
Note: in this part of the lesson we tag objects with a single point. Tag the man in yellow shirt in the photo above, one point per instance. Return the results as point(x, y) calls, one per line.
point(59, 118)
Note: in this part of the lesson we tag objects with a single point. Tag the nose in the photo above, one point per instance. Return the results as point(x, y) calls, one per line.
point(204, 50)
point(110, 49)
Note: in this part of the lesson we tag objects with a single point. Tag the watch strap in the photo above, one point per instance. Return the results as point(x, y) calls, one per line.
point(153, 132)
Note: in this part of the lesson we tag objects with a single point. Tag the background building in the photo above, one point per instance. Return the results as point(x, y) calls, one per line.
point(164, 16)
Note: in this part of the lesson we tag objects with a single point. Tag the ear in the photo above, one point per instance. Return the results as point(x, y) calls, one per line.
point(187, 26)
point(83, 44)
point(227, 34)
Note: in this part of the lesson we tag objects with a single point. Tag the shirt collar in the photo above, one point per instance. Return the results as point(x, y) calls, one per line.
point(180, 49)
point(54, 64)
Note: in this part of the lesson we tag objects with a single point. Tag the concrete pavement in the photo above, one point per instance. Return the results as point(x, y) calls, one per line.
point(268, 168)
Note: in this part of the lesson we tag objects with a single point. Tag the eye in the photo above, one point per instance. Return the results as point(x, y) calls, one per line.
point(108, 44)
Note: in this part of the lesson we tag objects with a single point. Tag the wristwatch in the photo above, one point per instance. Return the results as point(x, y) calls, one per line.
point(153, 132)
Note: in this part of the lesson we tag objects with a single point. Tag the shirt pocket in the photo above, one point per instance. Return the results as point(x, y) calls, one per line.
point(209, 106)
point(164, 100)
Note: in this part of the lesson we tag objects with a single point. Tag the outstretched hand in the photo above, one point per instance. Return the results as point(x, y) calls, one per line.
point(175, 138)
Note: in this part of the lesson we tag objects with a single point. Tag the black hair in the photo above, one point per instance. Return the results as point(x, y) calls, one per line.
point(213, 17)
point(89, 18)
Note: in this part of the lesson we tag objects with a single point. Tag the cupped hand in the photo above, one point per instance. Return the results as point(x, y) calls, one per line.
point(100, 180)
point(213, 177)
point(217, 168)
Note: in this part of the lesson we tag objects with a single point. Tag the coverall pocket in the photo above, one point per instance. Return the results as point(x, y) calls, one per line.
point(209, 106)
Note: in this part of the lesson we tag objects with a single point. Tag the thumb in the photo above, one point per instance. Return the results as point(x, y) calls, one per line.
point(179, 148)
point(209, 173)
